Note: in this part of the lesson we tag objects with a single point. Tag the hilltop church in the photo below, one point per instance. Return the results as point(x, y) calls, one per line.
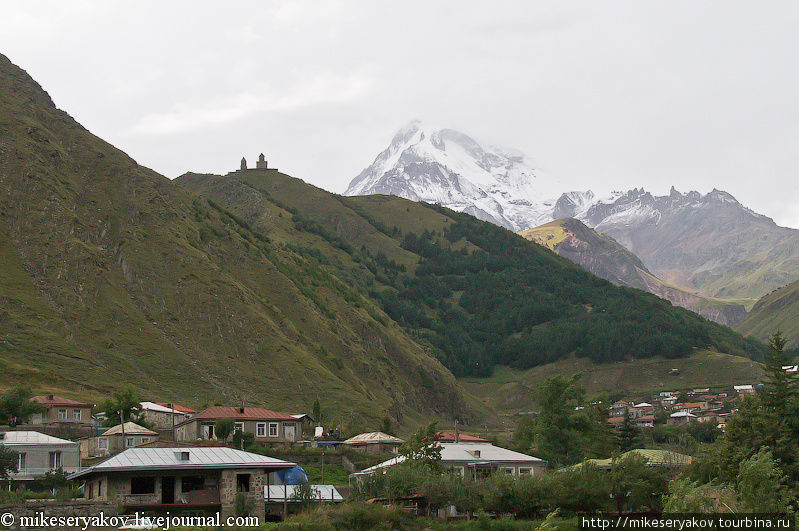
point(259, 165)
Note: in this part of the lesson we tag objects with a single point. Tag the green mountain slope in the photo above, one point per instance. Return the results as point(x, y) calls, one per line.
point(777, 311)
point(112, 274)
point(605, 257)
point(477, 295)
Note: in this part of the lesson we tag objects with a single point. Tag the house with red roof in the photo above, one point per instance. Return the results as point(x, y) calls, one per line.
point(59, 411)
point(265, 425)
point(448, 436)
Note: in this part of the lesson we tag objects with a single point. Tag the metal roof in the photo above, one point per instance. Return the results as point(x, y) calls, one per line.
point(12, 438)
point(242, 413)
point(131, 428)
point(276, 493)
point(53, 400)
point(374, 437)
point(200, 457)
point(465, 453)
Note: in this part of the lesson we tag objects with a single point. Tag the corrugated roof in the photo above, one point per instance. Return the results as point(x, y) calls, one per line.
point(276, 493)
point(374, 437)
point(465, 453)
point(242, 413)
point(200, 457)
point(53, 400)
point(653, 458)
point(11, 438)
point(131, 428)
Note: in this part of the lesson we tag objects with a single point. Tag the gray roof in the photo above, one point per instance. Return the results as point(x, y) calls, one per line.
point(13, 438)
point(465, 453)
point(200, 457)
point(276, 493)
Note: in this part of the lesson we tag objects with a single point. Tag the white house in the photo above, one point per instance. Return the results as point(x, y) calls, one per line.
point(477, 459)
point(38, 454)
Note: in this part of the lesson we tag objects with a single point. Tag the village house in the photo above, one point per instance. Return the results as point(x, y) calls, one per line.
point(38, 454)
point(264, 424)
point(375, 442)
point(748, 389)
point(477, 460)
point(165, 416)
point(644, 421)
point(680, 418)
point(621, 408)
point(57, 411)
point(643, 409)
point(116, 439)
point(199, 480)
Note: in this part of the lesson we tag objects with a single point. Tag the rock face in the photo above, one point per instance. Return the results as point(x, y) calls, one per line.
point(606, 258)
point(707, 244)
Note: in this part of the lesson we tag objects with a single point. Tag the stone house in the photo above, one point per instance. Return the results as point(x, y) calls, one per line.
point(116, 439)
point(58, 410)
point(265, 425)
point(38, 454)
point(164, 417)
point(200, 480)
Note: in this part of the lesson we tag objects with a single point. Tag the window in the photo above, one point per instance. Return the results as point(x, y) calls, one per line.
point(260, 429)
point(62, 414)
point(507, 470)
point(273, 429)
point(55, 460)
point(190, 483)
point(99, 488)
point(102, 443)
point(239, 426)
point(525, 471)
point(458, 470)
point(145, 440)
point(129, 442)
point(476, 454)
point(242, 483)
point(21, 463)
point(142, 485)
point(76, 414)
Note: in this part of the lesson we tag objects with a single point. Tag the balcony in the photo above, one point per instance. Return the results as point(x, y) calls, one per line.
point(29, 473)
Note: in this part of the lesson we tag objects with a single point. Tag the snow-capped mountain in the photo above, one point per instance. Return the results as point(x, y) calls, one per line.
point(706, 244)
point(450, 168)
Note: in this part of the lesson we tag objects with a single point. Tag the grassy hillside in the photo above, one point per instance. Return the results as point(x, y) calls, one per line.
point(511, 390)
point(475, 294)
point(605, 257)
point(112, 274)
point(777, 311)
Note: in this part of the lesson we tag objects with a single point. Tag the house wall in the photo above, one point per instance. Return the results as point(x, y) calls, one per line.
point(228, 491)
point(90, 447)
point(162, 420)
point(193, 430)
point(37, 459)
point(514, 469)
point(116, 488)
point(50, 415)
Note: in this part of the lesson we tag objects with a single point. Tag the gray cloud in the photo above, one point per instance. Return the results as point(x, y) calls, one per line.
point(605, 95)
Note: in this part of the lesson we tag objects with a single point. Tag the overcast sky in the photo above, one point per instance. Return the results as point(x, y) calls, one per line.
point(602, 95)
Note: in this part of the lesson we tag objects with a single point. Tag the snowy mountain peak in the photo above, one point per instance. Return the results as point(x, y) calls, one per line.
point(449, 167)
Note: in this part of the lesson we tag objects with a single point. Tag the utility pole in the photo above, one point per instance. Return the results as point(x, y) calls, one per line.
point(122, 424)
point(172, 407)
point(323, 465)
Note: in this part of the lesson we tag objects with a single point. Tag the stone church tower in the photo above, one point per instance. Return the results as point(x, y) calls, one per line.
point(261, 164)
point(243, 163)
